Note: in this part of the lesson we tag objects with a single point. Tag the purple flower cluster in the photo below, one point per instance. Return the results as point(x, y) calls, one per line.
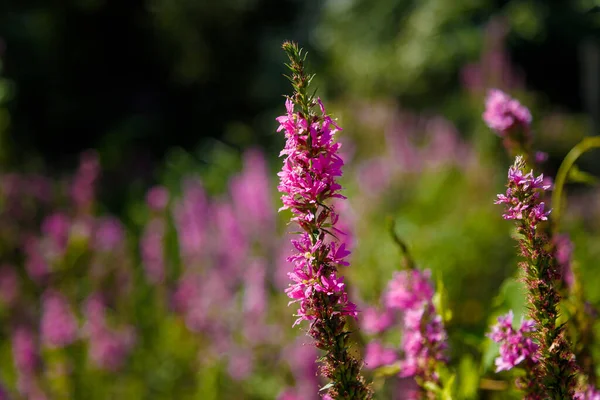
point(408, 290)
point(377, 354)
point(108, 347)
point(151, 242)
point(523, 204)
point(523, 195)
point(307, 181)
point(503, 113)
point(27, 362)
point(414, 144)
point(59, 326)
point(590, 394)
point(223, 289)
point(424, 338)
point(374, 321)
point(424, 341)
point(83, 185)
point(516, 346)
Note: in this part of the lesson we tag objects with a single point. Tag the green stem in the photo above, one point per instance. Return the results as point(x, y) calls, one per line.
point(563, 172)
point(409, 263)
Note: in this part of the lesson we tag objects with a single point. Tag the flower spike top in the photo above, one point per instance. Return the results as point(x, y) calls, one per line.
point(522, 198)
point(308, 183)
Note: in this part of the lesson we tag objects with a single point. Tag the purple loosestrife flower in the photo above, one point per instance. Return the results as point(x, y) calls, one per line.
point(56, 227)
point(240, 364)
point(152, 250)
point(231, 244)
point(191, 215)
point(516, 346)
point(510, 120)
point(377, 355)
point(251, 196)
point(308, 183)
point(9, 285)
point(25, 352)
point(301, 356)
point(556, 367)
point(424, 340)
point(157, 198)
point(108, 234)
point(424, 343)
point(27, 362)
point(255, 302)
point(108, 347)
point(36, 266)
point(522, 197)
point(590, 394)
point(374, 322)
point(152, 241)
point(288, 394)
point(58, 325)
point(503, 113)
point(409, 289)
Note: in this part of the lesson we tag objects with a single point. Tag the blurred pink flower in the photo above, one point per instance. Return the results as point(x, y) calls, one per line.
point(59, 326)
point(152, 250)
point(109, 234)
point(251, 196)
point(191, 214)
point(374, 321)
point(503, 113)
point(241, 364)
point(56, 227)
point(523, 195)
point(516, 346)
point(408, 289)
point(36, 266)
point(376, 355)
point(83, 185)
point(157, 198)
point(9, 284)
point(25, 351)
point(109, 347)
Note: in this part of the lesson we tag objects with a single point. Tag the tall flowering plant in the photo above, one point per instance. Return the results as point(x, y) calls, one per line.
point(511, 121)
point(424, 340)
point(424, 344)
point(523, 203)
point(308, 183)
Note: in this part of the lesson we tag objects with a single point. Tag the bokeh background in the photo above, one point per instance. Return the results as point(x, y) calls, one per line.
point(142, 255)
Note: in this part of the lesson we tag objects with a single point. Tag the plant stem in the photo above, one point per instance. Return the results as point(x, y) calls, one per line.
point(563, 172)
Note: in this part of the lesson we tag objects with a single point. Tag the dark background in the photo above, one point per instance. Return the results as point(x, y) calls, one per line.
point(135, 78)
